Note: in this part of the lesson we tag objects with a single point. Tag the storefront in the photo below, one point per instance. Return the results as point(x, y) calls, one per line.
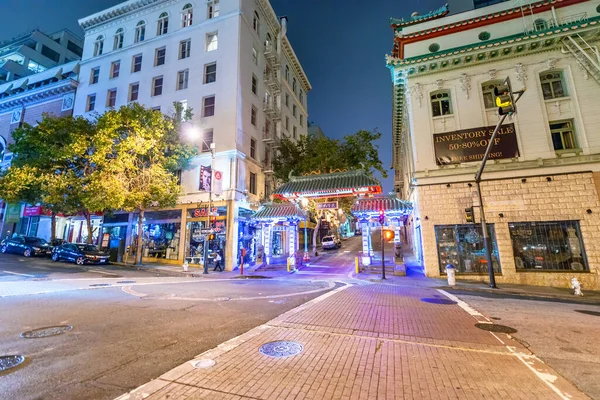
point(76, 229)
point(249, 234)
point(161, 232)
point(462, 247)
point(114, 235)
point(206, 235)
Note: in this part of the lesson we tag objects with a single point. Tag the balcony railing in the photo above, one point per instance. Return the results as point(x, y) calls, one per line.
point(271, 108)
point(271, 55)
point(542, 24)
point(271, 81)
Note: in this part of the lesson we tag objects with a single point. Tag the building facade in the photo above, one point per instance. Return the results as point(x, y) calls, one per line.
point(540, 187)
point(231, 62)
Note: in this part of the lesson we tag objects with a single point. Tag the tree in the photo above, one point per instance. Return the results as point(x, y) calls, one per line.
point(147, 152)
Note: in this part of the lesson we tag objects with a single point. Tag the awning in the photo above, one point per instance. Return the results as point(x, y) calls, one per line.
point(335, 184)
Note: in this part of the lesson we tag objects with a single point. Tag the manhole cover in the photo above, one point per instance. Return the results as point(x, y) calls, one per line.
point(588, 312)
point(8, 362)
point(496, 328)
point(47, 331)
point(100, 284)
point(126, 282)
point(204, 364)
point(281, 349)
point(437, 301)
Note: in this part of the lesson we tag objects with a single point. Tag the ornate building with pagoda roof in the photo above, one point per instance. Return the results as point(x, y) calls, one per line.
point(540, 187)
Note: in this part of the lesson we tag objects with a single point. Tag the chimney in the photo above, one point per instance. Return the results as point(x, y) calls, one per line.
point(283, 21)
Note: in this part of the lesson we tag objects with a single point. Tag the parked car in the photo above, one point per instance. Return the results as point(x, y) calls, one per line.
point(80, 254)
point(357, 232)
point(25, 245)
point(328, 242)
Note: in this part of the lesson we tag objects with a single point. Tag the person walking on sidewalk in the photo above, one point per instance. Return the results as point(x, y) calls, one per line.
point(218, 260)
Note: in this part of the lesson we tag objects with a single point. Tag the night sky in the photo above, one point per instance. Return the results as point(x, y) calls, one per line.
point(340, 43)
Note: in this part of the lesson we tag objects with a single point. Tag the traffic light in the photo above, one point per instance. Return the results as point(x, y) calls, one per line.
point(469, 215)
point(388, 235)
point(381, 217)
point(505, 98)
point(211, 236)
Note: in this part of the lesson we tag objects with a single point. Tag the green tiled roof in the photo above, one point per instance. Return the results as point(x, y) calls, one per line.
point(392, 206)
point(279, 211)
point(327, 184)
point(415, 19)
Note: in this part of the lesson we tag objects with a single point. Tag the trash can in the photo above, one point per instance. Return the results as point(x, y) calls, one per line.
point(451, 274)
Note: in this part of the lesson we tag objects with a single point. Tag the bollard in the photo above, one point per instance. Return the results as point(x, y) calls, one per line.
point(451, 274)
point(356, 263)
point(288, 264)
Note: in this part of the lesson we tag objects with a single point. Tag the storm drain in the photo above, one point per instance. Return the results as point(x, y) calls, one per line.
point(588, 312)
point(437, 301)
point(126, 282)
point(280, 349)
point(47, 331)
point(8, 362)
point(100, 284)
point(496, 328)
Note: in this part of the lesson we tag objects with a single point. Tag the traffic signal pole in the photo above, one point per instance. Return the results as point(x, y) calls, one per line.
point(486, 239)
point(382, 254)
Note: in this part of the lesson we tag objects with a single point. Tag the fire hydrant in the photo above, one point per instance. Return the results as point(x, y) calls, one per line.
point(576, 286)
point(451, 274)
point(186, 266)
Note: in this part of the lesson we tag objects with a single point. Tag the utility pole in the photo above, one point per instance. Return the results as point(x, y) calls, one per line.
point(208, 225)
point(382, 222)
point(506, 102)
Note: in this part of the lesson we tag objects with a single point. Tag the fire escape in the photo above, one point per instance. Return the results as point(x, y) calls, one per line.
point(587, 56)
point(272, 110)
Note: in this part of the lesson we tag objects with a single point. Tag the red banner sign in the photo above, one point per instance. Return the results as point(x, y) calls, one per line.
point(32, 211)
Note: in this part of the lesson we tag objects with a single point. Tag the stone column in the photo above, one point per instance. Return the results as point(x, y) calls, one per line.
point(231, 247)
point(366, 258)
point(267, 229)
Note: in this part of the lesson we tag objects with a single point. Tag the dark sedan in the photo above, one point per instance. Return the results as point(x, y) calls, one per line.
point(80, 254)
point(25, 245)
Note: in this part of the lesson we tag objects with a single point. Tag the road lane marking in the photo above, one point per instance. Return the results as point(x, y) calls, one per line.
point(16, 273)
point(102, 272)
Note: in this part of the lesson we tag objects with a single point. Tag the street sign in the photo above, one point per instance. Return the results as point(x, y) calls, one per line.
point(217, 182)
point(330, 205)
point(207, 231)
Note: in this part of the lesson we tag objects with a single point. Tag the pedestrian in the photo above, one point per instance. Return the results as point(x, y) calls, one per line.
point(218, 259)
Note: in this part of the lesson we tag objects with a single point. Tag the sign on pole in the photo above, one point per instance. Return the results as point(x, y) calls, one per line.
point(205, 178)
point(217, 182)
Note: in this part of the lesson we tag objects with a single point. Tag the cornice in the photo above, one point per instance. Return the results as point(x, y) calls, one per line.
point(38, 95)
point(296, 65)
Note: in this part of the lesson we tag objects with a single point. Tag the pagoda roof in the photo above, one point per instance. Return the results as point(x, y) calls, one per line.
point(398, 24)
point(391, 205)
point(336, 184)
point(275, 211)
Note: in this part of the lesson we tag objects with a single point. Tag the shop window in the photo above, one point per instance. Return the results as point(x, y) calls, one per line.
point(161, 234)
point(462, 246)
point(440, 103)
point(563, 135)
point(548, 246)
point(553, 85)
point(489, 100)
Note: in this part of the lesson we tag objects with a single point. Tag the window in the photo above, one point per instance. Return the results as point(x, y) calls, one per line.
point(253, 115)
point(294, 110)
point(157, 86)
point(301, 120)
point(187, 15)
point(489, 99)
point(185, 47)
point(94, 75)
point(295, 132)
point(287, 100)
point(134, 90)
point(182, 79)
point(208, 108)
point(548, 246)
point(118, 40)
point(256, 23)
point(301, 97)
point(157, 108)
point(294, 84)
point(563, 135)
point(159, 56)
point(210, 73)
point(254, 84)
point(462, 246)
point(553, 85)
point(540, 24)
point(207, 139)
point(73, 48)
point(287, 123)
point(99, 46)
point(440, 103)
point(212, 41)
point(287, 73)
point(162, 26)
point(252, 188)
point(253, 148)
point(213, 9)
point(136, 63)
point(111, 98)
point(268, 42)
point(91, 103)
point(140, 32)
point(115, 67)
point(51, 54)
point(254, 55)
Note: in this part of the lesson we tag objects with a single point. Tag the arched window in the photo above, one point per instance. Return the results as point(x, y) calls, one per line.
point(540, 24)
point(287, 73)
point(294, 85)
point(119, 36)
point(162, 26)
point(441, 103)
point(487, 88)
point(553, 84)
point(213, 9)
point(256, 23)
point(140, 31)
point(187, 15)
point(99, 45)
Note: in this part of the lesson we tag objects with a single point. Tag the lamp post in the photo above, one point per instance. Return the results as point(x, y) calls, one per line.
point(208, 214)
point(304, 203)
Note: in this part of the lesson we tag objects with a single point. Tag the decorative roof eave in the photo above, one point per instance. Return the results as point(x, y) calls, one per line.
point(334, 184)
point(114, 12)
point(398, 24)
point(39, 94)
point(508, 47)
point(391, 206)
point(279, 212)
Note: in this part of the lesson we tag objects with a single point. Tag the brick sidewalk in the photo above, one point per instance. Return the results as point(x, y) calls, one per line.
point(368, 342)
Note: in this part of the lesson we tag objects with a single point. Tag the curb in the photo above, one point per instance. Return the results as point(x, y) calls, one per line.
point(532, 296)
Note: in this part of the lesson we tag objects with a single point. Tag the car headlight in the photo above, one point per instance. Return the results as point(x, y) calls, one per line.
point(36, 248)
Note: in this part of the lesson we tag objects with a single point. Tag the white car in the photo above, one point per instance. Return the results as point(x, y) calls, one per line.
point(328, 242)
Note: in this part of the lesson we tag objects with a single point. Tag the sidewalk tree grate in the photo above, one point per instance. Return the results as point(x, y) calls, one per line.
point(588, 312)
point(496, 328)
point(47, 331)
point(281, 348)
point(434, 300)
point(100, 284)
point(8, 362)
point(126, 282)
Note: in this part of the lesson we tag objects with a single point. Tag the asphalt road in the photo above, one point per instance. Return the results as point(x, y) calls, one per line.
point(552, 329)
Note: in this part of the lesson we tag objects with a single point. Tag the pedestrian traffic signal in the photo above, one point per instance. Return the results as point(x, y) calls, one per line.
point(388, 235)
point(381, 217)
point(211, 236)
point(505, 99)
point(469, 215)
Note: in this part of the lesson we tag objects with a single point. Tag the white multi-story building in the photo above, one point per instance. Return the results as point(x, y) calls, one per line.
point(232, 63)
point(540, 187)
